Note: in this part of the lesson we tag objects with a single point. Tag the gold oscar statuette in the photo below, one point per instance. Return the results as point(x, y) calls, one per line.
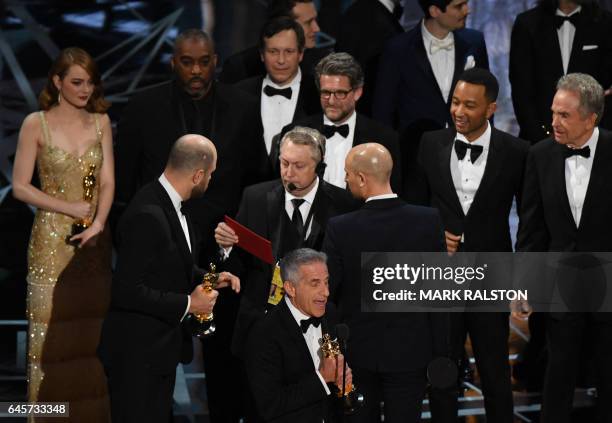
point(89, 184)
point(352, 400)
point(203, 325)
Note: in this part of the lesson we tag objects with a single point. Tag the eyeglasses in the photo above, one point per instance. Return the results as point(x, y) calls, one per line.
point(340, 94)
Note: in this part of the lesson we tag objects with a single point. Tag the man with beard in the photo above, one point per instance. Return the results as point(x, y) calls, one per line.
point(339, 78)
point(154, 288)
point(194, 103)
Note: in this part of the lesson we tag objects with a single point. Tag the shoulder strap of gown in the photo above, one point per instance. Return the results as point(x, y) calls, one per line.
point(45, 127)
point(98, 129)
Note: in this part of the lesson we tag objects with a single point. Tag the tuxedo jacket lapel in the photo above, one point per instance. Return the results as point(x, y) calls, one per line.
point(177, 230)
point(601, 161)
point(461, 50)
point(551, 39)
point(319, 210)
point(492, 169)
point(300, 105)
point(558, 171)
point(444, 160)
point(578, 42)
point(275, 206)
point(294, 331)
point(420, 57)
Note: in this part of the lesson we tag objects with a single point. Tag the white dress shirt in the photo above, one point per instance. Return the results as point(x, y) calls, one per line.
point(442, 60)
point(389, 5)
point(305, 207)
point(566, 37)
point(381, 197)
point(176, 202)
point(577, 176)
point(467, 175)
point(336, 150)
point(277, 111)
point(311, 337)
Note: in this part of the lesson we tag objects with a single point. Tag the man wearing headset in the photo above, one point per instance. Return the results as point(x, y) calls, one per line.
point(292, 212)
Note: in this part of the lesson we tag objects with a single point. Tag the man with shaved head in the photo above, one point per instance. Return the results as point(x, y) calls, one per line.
point(155, 285)
point(388, 354)
point(192, 102)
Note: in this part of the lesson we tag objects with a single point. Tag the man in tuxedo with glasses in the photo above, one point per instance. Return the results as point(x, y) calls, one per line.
point(339, 78)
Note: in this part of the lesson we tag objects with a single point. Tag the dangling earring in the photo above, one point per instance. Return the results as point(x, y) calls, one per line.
point(59, 97)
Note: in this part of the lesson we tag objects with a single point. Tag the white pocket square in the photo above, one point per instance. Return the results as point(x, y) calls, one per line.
point(469, 62)
point(591, 47)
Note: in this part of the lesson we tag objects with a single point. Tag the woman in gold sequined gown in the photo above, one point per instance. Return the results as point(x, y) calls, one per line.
point(68, 283)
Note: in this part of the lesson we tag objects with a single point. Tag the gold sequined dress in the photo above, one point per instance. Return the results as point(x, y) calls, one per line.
point(68, 292)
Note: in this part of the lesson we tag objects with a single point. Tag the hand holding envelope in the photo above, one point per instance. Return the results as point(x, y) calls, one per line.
point(233, 233)
point(225, 236)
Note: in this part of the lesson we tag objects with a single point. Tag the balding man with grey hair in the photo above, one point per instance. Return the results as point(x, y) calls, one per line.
point(155, 286)
point(339, 78)
point(388, 355)
point(291, 212)
point(567, 204)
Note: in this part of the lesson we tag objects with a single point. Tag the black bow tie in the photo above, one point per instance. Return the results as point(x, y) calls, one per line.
point(584, 152)
point(462, 147)
point(315, 321)
point(183, 208)
point(271, 92)
point(559, 20)
point(330, 130)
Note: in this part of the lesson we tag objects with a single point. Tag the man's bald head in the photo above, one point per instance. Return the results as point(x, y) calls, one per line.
point(190, 153)
point(371, 159)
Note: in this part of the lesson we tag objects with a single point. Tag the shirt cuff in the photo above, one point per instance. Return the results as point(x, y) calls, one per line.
point(324, 383)
point(187, 309)
point(225, 252)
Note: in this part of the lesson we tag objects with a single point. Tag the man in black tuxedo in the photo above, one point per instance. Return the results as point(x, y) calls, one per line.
point(144, 336)
point(381, 18)
point(247, 63)
point(193, 102)
point(419, 69)
point(339, 79)
point(388, 353)
point(471, 173)
point(284, 93)
point(555, 38)
point(567, 203)
point(291, 212)
point(288, 373)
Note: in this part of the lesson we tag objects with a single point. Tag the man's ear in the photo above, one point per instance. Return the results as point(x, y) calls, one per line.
point(491, 108)
point(362, 178)
point(198, 175)
point(289, 288)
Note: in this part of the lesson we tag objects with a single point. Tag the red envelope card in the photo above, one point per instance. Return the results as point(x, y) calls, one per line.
point(250, 241)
